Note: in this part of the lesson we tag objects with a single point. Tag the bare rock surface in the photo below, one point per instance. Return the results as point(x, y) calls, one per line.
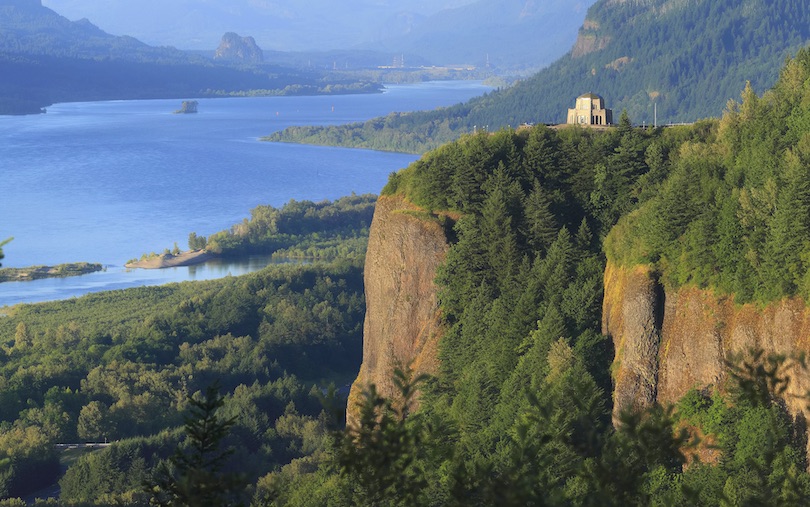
point(402, 324)
point(661, 357)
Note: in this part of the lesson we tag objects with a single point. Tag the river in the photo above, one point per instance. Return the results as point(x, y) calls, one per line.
point(108, 181)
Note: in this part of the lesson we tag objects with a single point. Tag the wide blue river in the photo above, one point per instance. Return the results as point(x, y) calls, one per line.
point(108, 181)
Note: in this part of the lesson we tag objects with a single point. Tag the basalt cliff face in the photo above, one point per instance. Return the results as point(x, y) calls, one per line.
point(668, 342)
point(402, 325)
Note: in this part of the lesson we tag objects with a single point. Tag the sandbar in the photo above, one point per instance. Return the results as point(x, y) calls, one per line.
point(172, 261)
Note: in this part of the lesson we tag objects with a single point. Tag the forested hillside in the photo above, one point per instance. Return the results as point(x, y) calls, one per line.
point(299, 229)
point(44, 58)
point(734, 215)
point(520, 412)
point(120, 367)
point(689, 58)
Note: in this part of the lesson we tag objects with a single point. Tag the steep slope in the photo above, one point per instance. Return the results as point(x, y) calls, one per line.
point(689, 58)
point(402, 325)
point(670, 341)
point(504, 34)
point(44, 58)
point(707, 259)
point(684, 58)
point(716, 263)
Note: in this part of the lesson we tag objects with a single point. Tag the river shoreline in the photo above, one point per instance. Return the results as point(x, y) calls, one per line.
point(31, 273)
point(169, 260)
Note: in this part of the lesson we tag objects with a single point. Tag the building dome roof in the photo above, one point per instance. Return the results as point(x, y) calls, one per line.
point(589, 96)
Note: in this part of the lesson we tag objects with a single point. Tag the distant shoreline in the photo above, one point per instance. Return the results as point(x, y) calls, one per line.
point(40, 272)
point(172, 260)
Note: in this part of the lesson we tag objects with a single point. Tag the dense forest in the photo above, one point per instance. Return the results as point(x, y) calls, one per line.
point(520, 412)
point(685, 58)
point(734, 213)
point(299, 229)
point(128, 366)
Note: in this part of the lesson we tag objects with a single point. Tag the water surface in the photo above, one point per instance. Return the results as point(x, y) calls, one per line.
point(108, 181)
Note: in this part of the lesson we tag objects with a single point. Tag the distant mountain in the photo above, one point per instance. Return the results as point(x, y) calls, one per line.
point(27, 27)
point(513, 34)
point(44, 58)
point(291, 25)
point(525, 34)
point(239, 49)
point(685, 58)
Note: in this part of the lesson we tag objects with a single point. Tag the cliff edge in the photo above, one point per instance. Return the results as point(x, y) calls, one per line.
point(402, 324)
point(670, 341)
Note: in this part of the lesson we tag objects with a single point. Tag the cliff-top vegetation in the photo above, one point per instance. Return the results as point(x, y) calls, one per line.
point(734, 211)
point(520, 411)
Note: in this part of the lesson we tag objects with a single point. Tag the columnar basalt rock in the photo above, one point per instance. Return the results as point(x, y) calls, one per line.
point(661, 357)
point(402, 326)
point(630, 317)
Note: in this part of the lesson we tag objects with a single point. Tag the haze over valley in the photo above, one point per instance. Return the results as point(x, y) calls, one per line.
point(373, 253)
point(514, 33)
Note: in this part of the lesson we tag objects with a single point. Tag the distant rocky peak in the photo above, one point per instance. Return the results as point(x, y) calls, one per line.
point(241, 49)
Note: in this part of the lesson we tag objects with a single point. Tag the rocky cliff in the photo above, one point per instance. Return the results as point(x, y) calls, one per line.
point(232, 47)
point(402, 325)
point(668, 342)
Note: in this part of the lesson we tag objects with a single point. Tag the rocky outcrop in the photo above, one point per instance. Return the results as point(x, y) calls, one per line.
point(632, 317)
point(402, 325)
point(240, 49)
point(668, 342)
point(589, 40)
point(188, 107)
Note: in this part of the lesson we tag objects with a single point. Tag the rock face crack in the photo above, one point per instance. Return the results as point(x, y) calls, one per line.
point(636, 343)
point(670, 341)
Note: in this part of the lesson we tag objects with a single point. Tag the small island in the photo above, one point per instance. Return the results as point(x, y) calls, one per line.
point(39, 272)
point(187, 107)
point(171, 260)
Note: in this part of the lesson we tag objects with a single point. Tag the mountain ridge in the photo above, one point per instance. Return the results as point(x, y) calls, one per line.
point(49, 59)
point(681, 60)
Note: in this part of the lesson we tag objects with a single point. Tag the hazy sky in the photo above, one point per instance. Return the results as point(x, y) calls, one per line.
point(275, 24)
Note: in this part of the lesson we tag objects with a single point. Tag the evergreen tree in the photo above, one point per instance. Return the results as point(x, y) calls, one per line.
point(195, 478)
point(541, 153)
point(1, 248)
point(541, 225)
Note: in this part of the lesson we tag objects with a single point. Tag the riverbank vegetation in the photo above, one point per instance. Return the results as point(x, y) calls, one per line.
point(299, 229)
point(118, 366)
point(40, 272)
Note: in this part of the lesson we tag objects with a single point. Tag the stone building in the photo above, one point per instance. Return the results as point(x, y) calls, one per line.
point(590, 110)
